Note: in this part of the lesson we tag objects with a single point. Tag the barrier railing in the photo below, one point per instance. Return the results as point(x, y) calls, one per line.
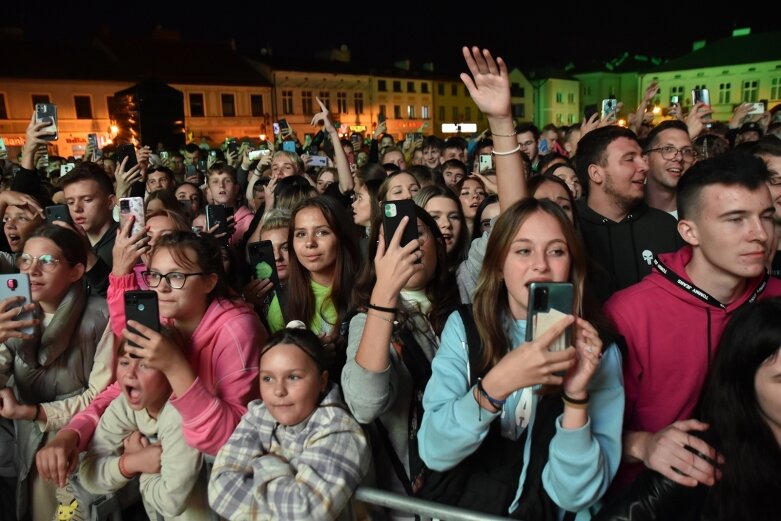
point(420, 507)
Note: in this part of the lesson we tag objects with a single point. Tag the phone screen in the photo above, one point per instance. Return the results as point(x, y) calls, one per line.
point(18, 285)
point(486, 162)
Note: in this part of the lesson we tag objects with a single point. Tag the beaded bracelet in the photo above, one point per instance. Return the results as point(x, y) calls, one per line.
point(380, 308)
point(508, 153)
point(496, 404)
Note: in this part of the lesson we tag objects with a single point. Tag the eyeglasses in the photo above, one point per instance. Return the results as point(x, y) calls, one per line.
point(47, 261)
point(670, 152)
point(175, 279)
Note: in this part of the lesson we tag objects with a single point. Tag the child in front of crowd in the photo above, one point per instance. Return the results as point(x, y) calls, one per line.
point(140, 433)
point(297, 453)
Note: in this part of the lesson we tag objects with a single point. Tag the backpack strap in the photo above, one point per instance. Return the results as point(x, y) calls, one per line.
point(473, 342)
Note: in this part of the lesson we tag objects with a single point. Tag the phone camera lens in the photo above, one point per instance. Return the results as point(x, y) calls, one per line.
point(141, 307)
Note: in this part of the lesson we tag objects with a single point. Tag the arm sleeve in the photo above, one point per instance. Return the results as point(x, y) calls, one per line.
point(583, 462)
point(168, 491)
point(60, 412)
point(99, 468)
point(116, 299)
point(209, 417)
point(368, 394)
point(633, 364)
point(85, 422)
point(453, 425)
point(469, 270)
point(6, 364)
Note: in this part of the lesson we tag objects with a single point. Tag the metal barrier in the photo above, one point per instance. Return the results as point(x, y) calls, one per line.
point(420, 507)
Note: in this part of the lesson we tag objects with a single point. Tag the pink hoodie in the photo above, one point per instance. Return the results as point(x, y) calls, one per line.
point(223, 351)
point(671, 338)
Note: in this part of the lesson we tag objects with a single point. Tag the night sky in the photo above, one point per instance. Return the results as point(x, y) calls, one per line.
point(526, 34)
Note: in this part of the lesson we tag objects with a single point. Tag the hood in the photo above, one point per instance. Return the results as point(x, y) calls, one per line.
point(678, 283)
point(585, 213)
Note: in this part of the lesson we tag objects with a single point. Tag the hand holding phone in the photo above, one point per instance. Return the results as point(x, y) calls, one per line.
point(392, 213)
point(47, 113)
point(609, 109)
point(128, 150)
point(16, 285)
point(548, 303)
point(132, 206)
point(141, 306)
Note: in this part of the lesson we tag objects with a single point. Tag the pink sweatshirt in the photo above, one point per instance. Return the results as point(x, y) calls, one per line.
point(224, 353)
point(242, 218)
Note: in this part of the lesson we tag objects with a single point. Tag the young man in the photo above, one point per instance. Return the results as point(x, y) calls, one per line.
point(669, 152)
point(394, 156)
point(620, 231)
point(454, 148)
point(223, 188)
point(159, 178)
point(528, 137)
point(673, 319)
point(89, 194)
point(453, 171)
point(432, 149)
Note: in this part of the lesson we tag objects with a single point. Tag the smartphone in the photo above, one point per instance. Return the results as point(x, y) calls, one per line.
point(542, 146)
point(609, 107)
point(142, 307)
point(254, 155)
point(276, 128)
point(262, 263)
point(47, 112)
point(186, 206)
point(132, 206)
point(757, 108)
point(66, 167)
point(675, 100)
point(284, 126)
point(548, 302)
point(318, 160)
point(92, 140)
point(202, 165)
point(164, 155)
point(392, 212)
point(217, 214)
point(190, 171)
point(18, 285)
point(58, 212)
point(3, 149)
point(290, 146)
point(486, 162)
point(702, 95)
point(128, 150)
point(233, 147)
point(355, 139)
point(213, 153)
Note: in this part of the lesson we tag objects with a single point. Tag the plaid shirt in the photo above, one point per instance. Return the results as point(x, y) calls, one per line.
point(305, 471)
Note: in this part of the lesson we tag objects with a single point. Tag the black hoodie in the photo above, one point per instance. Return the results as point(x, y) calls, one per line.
point(622, 251)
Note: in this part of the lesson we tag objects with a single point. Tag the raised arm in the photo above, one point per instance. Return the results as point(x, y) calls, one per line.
point(340, 158)
point(489, 87)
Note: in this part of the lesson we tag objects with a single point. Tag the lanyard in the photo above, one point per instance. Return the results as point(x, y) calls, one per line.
point(699, 293)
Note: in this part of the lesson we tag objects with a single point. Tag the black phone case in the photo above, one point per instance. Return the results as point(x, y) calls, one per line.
point(560, 297)
point(129, 151)
point(58, 212)
point(216, 213)
point(391, 220)
point(142, 307)
point(263, 251)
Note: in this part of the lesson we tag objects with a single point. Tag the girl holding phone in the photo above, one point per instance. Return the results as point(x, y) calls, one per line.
point(212, 379)
point(59, 368)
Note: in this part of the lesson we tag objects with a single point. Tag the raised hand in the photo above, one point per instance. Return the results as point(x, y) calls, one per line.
point(323, 116)
point(126, 179)
point(396, 264)
point(489, 83)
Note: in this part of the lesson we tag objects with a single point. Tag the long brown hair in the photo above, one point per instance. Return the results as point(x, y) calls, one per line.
point(301, 300)
point(491, 302)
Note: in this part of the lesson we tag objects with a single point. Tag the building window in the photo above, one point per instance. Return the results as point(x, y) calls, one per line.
point(359, 102)
point(3, 110)
point(468, 114)
point(40, 98)
point(256, 105)
point(382, 86)
point(228, 105)
point(558, 119)
point(454, 90)
point(424, 111)
point(196, 106)
point(306, 102)
point(750, 90)
point(411, 111)
point(571, 119)
point(559, 97)
point(519, 111)
point(397, 111)
point(287, 101)
point(571, 98)
point(325, 97)
point(341, 102)
point(396, 86)
point(382, 110)
point(455, 115)
point(441, 89)
point(442, 113)
point(724, 92)
point(517, 91)
point(424, 88)
point(410, 86)
point(83, 107)
point(775, 88)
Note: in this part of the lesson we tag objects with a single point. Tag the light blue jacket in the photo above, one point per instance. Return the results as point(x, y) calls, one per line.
point(582, 462)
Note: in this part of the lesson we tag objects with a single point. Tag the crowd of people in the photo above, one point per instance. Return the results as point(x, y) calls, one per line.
point(307, 347)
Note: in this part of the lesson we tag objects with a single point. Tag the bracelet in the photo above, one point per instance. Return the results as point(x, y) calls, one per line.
point(497, 404)
point(380, 308)
point(515, 133)
point(508, 153)
point(572, 402)
point(389, 321)
point(123, 469)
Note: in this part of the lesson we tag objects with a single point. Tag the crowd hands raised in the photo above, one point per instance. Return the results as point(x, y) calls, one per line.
point(297, 330)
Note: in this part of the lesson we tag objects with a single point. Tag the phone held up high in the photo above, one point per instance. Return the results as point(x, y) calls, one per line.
point(132, 206)
point(392, 213)
point(142, 307)
point(549, 302)
point(47, 112)
point(702, 95)
point(18, 285)
point(609, 109)
point(128, 150)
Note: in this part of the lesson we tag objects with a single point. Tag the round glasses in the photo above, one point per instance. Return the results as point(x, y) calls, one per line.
point(670, 152)
point(175, 279)
point(47, 261)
